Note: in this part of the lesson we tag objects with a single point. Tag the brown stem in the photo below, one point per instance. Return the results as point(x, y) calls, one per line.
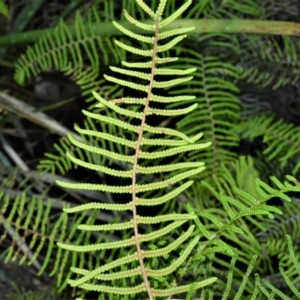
point(135, 165)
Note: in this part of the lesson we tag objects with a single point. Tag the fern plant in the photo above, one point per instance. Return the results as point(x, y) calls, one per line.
point(53, 52)
point(143, 271)
point(230, 213)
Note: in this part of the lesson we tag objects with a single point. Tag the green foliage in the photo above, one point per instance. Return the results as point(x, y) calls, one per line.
point(271, 61)
point(78, 52)
point(62, 163)
point(175, 142)
point(281, 139)
point(218, 108)
point(44, 229)
point(32, 225)
point(263, 288)
point(238, 236)
point(4, 9)
point(238, 227)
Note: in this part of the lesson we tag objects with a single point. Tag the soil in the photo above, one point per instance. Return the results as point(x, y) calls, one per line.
point(20, 282)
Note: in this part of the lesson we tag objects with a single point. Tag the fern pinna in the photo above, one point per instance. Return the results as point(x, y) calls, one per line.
point(146, 269)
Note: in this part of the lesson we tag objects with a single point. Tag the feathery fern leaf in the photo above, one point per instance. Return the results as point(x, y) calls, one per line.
point(246, 224)
point(246, 205)
point(34, 235)
point(281, 139)
point(79, 56)
point(271, 61)
point(258, 289)
point(217, 112)
point(276, 229)
point(144, 279)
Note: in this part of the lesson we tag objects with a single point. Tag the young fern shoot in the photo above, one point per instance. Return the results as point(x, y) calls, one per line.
point(136, 271)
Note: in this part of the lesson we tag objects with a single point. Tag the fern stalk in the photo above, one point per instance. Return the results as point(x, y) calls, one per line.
point(202, 26)
point(135, 166)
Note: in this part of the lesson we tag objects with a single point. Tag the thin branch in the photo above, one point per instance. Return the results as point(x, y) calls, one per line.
point(202, 26)
point(29, 112)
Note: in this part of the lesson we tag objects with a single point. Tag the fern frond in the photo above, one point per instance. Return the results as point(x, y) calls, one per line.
point(241, 219)
point(292, 279)
point(276, 229)
point(76, 55)
point(281, 139)
point(270, 61)
point(218, 108)
point(34, 235)
point(142, 276)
